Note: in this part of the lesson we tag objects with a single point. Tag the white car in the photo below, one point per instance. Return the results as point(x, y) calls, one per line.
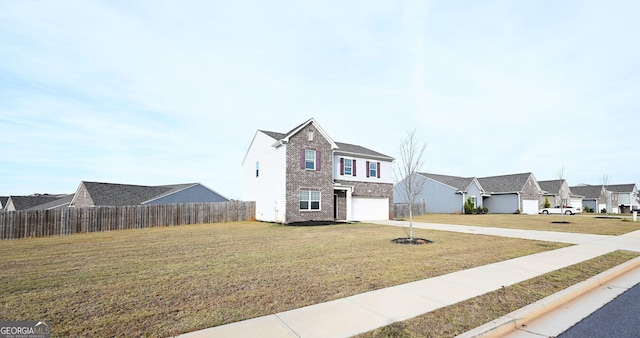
point(558, 210)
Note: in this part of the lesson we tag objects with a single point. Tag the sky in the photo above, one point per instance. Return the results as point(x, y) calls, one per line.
point(166, 92)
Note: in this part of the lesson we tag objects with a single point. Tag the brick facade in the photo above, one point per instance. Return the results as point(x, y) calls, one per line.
point(302, 179)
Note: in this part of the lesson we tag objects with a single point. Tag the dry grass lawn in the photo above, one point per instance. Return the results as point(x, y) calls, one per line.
point(165, 281)
point(585, 223)
point(464, 316)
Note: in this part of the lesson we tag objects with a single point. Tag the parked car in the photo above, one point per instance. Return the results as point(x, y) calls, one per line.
point(559, 210)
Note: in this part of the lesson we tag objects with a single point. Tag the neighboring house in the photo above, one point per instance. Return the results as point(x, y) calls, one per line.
point(3, 201)
point(62, 201)
point(443, 193)
point(509, 194)
point(558, 193)
point(97, 194)
point(304, 175)
point(593, 196)
point(17, 203)
point(626, 196)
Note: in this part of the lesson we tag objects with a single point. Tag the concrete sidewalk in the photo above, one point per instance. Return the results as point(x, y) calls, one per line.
point(364, 312)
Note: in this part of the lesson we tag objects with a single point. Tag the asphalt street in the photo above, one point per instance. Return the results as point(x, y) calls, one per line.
point(619, 318)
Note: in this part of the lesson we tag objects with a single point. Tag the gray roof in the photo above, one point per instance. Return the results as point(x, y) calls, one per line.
point(27, 202)
point(112, 194)
point(588, 191)
point(460, 183)
point(60, 202)
point(622, 187)
point(3, 201)
point(505, 183)
point(552, 186)
point(343, 148)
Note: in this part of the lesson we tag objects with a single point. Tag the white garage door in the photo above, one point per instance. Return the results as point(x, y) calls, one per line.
point(530, 207)
point(370, 208)
point(576, 204)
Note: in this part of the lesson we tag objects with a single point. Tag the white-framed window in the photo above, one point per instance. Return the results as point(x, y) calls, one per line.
point(473, 199)
point(348, 166)
point(373, 169)
point(309, 200)
point(310, 159)
point(257, 168)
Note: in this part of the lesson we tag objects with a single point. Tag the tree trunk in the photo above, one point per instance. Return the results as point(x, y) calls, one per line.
point(411, 220)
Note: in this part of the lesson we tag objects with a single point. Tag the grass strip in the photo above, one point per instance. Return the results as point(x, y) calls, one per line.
point(581, 223)
point(464, 316)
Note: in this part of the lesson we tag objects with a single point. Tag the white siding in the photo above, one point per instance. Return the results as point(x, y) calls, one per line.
point(268, 189)
point(386, 170)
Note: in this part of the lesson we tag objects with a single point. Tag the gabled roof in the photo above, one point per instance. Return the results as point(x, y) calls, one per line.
point(340, 147)
point(622, 187)
point(504, 183)
point(26, 202)
point(552, 186)
point(460, 183)
point(60, 202)
point(284, 138)
point(3, 201)
point(588, 191)
point(112, 194)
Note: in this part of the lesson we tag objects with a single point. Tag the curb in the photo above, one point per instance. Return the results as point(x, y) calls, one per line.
point(507, 323)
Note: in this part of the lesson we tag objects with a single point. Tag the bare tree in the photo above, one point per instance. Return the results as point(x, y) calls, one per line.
point(605, 182)
point(411, 162)
point(560, 176)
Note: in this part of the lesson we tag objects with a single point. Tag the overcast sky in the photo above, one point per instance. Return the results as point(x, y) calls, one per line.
point(162, 92)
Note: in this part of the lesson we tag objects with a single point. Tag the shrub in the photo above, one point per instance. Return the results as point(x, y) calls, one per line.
point(546, 203)
point(587, 209)
point(517, 212)
point(468, 206)
point(603, 211)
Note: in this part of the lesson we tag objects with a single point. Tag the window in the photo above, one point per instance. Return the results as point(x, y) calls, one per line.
point(309, 200)
point(310, 159)
point(373, 169)
point(473, 198)
point(348, 165)
point(257, 168)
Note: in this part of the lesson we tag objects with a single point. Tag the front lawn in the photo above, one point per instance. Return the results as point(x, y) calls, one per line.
point(165, 281)
point(581, 223)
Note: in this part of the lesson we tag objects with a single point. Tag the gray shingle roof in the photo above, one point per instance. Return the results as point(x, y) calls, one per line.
point(588, 191)
point(504, 183)
point(3, 201)
point(460, 183)
point(343, 148)
point(60, 202)
point(621, 187)
point(26, 202)
point(111, 194)
point(552, 186)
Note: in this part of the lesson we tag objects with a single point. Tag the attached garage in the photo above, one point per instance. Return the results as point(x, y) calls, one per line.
point(529, 207)
point(368, 208)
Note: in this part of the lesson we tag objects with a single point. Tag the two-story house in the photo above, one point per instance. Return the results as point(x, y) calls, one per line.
point(304, 175)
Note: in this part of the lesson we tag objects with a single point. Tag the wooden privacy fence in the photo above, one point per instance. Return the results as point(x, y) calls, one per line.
point(67, 221)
